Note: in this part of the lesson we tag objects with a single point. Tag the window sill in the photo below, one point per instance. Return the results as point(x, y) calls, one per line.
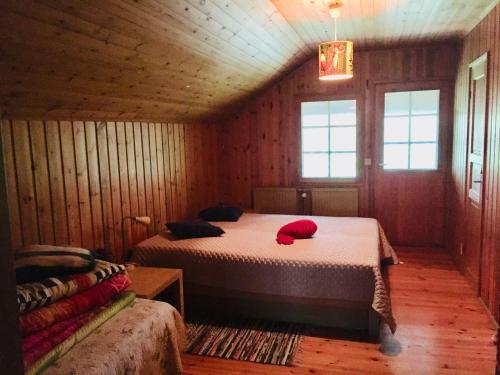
point(410, 170)
point(326, 182)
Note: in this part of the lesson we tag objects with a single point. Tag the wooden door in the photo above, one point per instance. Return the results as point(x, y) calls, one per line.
point(475, 159)
point(410, 161)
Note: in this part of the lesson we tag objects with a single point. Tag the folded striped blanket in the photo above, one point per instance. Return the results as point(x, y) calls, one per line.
point(99, 295)
point(45, 292)
point(37, 262)
point(40, 359)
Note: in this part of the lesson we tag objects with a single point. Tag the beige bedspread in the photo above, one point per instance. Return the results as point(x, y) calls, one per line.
point(146, 338)
point(341, 262)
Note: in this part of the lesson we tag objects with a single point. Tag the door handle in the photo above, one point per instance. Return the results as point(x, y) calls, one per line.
point(477, 181)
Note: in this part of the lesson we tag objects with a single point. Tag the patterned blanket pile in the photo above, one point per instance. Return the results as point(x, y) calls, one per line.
point(68, 308)
point(52, 289)
point(43, 349)
point(59, 310)
point(86, 323)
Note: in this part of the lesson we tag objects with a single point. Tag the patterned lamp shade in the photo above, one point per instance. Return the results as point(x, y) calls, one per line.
point(335, 60)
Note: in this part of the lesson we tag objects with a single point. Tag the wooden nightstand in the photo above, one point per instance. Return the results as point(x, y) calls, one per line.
point(157, 283)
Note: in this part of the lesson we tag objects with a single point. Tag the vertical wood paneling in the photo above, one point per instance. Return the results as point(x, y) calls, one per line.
point(94, 184)
point(74, 182)
point(124, 184)
point(139, 164)
point(178, 167)
point(188, 143)
point(161, 177)
point(146, 158)
point(26, 187)
point(483, 38)
point(107, 207)
point(173, 171)
point(169, 195)
point(70, 183)
point(132, 177)
point(82, 182)
point(114, 178)
point(156, 218)
point(182, 167)
point(203, 145)
point(59, 214)
point(42, 185)
point(11, 182)
point(197, 168)
point(261, 144)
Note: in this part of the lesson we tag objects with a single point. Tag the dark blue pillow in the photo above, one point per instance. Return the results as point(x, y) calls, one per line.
point(194, 229)
point(221, 213)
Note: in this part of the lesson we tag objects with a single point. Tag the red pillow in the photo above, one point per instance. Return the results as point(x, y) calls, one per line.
point(296, 230)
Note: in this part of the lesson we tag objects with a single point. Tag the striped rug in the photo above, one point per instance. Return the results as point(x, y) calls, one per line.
point(245, 340)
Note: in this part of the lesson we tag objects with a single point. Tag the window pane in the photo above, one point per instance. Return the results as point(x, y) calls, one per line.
point(424, 128)
point(397, 103)
point(343, 112)
point(395, 156)
point(329, 135)
point(315, 165)
point(423, 156)
point(315, 114)
point(425, 102)
point(315, 139)
point(343, 139)
point(343, 165)
point(396, 129)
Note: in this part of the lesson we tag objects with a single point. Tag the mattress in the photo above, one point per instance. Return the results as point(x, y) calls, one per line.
point(145, 338)
point(341, 262)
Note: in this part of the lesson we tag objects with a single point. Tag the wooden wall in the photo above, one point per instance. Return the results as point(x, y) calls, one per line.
point(261, 144)
point(73, 182)
point(484, 37)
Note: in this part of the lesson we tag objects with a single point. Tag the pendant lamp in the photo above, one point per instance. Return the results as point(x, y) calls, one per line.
point(335, 56)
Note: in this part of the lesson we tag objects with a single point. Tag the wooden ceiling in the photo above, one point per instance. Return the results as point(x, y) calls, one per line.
point(186, 60)
point(385, 23)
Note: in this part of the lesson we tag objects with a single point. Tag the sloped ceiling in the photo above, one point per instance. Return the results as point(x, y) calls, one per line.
point(186, 60)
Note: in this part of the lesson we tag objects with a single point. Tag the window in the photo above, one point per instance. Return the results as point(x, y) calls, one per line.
point(411, 129)
point(329, 139)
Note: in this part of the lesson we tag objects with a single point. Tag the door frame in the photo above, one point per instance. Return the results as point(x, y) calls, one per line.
point(484, 58)
point(446, 100)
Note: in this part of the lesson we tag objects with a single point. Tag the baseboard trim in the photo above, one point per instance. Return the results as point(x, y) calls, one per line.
point(489, 313)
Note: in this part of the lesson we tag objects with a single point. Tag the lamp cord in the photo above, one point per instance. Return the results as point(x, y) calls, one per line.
point(335, 27)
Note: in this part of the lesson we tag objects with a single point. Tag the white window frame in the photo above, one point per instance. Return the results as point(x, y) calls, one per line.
point(356, 152)
point(409, 142)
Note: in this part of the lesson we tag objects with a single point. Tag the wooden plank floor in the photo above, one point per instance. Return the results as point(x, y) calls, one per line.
point(442, 329)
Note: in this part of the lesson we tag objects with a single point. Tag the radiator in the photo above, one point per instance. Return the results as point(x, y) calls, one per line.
point(275, 200)
point(334, 202)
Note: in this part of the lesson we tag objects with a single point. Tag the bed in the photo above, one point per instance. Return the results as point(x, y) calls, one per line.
point(338, 271)
point(145, 338)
